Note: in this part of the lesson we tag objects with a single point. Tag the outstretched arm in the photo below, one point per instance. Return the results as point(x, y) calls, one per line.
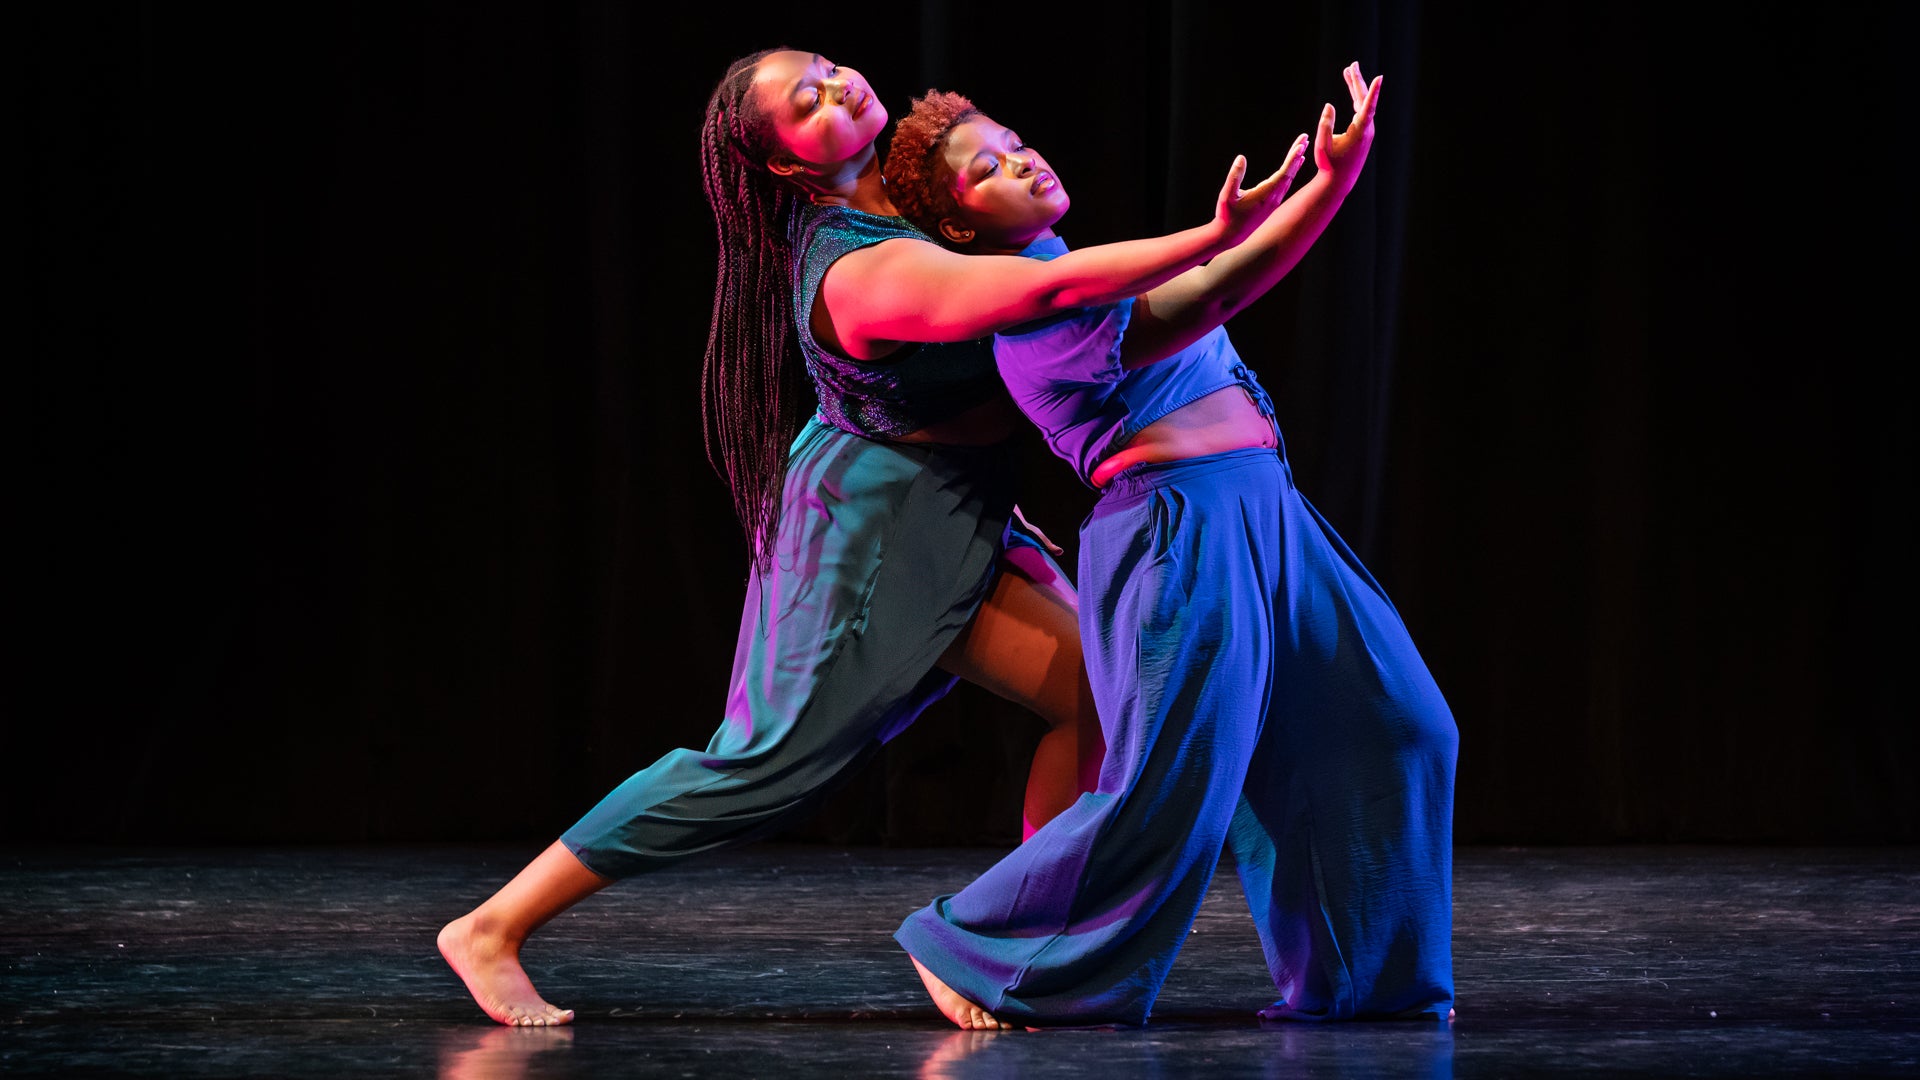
point(1178, 313)
point(907, 290)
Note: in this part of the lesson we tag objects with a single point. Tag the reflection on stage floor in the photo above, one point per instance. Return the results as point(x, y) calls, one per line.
point(778, 960)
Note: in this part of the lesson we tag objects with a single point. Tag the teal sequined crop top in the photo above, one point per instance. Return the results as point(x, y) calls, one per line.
point(919, 385)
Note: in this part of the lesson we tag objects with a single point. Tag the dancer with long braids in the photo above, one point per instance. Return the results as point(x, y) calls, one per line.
point(1256, 687)
point(838, 648)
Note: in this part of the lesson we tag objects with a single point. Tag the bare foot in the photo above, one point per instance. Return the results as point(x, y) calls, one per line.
point(490, 966)
point(962, 1012)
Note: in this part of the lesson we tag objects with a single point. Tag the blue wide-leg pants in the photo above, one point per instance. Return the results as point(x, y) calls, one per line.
point(1259, 691)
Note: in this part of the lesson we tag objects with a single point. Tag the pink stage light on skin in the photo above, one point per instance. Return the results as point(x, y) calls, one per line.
point(1039, 569)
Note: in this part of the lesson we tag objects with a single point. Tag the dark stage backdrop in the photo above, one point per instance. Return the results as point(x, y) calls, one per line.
point(359, 489)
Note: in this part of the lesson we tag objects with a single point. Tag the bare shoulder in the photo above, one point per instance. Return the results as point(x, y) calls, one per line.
point(869, 264)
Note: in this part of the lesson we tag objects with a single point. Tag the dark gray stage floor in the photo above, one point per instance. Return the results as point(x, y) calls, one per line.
point(778, 961)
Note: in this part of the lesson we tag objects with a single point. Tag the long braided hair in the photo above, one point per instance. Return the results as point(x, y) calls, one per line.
point(754, 389)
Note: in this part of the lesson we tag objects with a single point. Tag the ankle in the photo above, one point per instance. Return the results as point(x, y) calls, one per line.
point(484, 927)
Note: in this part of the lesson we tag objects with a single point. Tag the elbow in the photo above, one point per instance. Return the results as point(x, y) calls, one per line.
point(1072, 297)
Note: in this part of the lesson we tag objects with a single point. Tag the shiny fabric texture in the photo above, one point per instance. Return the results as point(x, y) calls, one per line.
point(1257, 690)
point(920, 384)
point(884, 553)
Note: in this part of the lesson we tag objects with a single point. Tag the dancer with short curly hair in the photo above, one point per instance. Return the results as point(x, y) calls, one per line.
point(1256, 688)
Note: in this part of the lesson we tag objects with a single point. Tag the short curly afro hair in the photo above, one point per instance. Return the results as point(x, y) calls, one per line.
point(918, 180)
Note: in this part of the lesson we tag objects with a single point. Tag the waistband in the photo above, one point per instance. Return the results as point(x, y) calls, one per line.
point(1150, 475)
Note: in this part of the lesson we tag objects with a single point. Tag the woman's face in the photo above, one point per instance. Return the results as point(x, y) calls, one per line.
point(823, 115)
point(1007, 193)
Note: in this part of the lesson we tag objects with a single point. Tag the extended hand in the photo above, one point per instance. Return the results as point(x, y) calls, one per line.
point(1345, 153)
point(1239, 212)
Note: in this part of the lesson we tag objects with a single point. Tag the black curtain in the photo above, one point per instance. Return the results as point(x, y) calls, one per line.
point(361, 488)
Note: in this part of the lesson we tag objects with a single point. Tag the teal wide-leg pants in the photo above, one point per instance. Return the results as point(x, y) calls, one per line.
point(885, 552)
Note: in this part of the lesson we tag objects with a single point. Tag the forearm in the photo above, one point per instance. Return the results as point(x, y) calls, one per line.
point(910, 290)
point(1109, 273)
point(1173, 316)
point(1237, 277)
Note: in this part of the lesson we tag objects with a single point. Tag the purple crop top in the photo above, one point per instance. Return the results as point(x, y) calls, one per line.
point(1065, 375)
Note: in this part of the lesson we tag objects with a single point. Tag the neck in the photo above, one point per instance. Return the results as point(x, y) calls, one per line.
point(1015, 245)
point(855, 184)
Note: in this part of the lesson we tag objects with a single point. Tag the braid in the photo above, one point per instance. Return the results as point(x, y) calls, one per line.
point(754, 390)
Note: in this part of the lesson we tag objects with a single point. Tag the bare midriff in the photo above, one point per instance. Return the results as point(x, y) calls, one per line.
point(986, 423)
point(1224, 420)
